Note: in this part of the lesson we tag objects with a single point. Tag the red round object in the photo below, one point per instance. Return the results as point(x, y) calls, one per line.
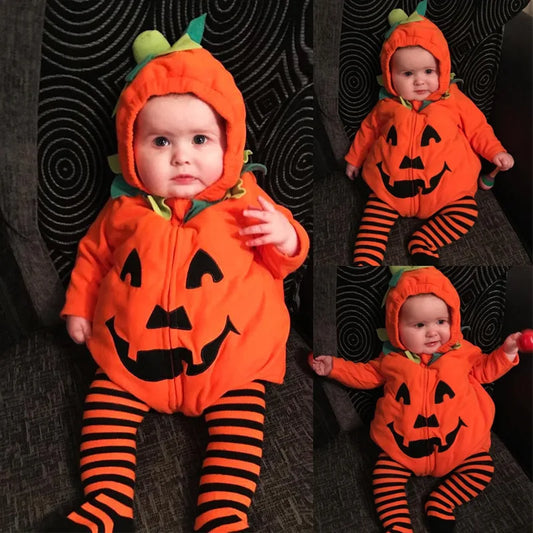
point(525, 341)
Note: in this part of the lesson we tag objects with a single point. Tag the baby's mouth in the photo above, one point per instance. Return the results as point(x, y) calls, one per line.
point(184, 179)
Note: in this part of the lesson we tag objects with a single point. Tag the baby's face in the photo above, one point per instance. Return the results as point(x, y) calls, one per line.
point(424, 323)
point(415, 73)
point(179, 145)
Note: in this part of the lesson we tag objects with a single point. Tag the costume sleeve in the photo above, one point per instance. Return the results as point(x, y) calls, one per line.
point(279, 264)
point(364, 139)
point(93, 261)
point(476, 128)
point(357, 375)
point(488, 368)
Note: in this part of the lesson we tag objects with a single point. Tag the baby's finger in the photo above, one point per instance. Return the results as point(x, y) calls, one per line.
point(266, 205)
point(256, 213)
point(78, 336)
point(254, 229)
point(87, 331)
point(260, 241)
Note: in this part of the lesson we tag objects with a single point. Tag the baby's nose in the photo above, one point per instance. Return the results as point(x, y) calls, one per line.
point(180, 154)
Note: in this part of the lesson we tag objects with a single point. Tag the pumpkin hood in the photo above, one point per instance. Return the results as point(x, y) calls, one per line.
point(185, 67)
point(415, 30)
point(424, 280)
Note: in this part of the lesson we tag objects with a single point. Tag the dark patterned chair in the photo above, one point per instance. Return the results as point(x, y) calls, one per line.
point(495, 301)
point(491, 53)
point(63, 66)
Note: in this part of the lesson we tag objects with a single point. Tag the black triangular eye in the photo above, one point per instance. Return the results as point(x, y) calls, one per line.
point(443, 389)
point(403, 394)
point(392, 136)
point(428, 134)
point(202, 263)
point(132, 266)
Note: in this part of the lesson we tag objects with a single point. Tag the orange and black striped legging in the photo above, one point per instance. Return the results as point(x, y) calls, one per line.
point(389, 480)
point(446, 226)
point(108, 457)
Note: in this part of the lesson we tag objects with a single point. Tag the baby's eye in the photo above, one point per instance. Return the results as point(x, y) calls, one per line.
point(419, 325)
point(429, 71)
point(408, 73)
point(161, 141)
point(441, 321)
point(199, 139)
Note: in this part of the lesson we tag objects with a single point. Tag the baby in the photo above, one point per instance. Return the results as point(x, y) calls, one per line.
point(417, 147)
point(178, 287)
point(434, 417)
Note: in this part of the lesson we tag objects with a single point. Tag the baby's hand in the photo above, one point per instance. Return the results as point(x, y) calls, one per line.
point(503, 160)
point(510, 345)
point(78, 328)
point(274, 228)
point(351, 171)
point(322, 364)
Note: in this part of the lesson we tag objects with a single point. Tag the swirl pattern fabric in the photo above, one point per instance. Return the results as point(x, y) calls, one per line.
point(86, 55)
point(360, 292)
point(474, 31)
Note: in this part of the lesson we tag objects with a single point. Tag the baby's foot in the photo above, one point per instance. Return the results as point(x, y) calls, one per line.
point(94, 513)
point(485, 182)
point(439, 525)
point(422, 259)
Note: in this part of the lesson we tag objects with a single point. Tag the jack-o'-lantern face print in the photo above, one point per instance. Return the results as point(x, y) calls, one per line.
point(159, 363)
point(406, 188)
point(411, 444)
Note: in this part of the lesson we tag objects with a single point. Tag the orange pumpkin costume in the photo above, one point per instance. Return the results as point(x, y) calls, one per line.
point(182, 309)
point(446, 387)
point(185, 316)
point(434, 417)
point(419, 157)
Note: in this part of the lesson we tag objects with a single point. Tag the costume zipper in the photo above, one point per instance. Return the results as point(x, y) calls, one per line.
point(176, 227)
point(414, 197)
point(430, 456)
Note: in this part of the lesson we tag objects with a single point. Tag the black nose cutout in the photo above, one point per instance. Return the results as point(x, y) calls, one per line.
point(176, 319)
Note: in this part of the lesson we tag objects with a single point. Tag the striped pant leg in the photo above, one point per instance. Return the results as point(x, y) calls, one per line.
point(373, 234)
point(460, 486)
point(230, 470)
point(108, 457)
point(389, 481)
point(444, 227)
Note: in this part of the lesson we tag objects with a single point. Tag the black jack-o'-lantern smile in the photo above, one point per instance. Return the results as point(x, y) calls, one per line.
point(159, 364)
point(419, 448)
point(412, 187)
